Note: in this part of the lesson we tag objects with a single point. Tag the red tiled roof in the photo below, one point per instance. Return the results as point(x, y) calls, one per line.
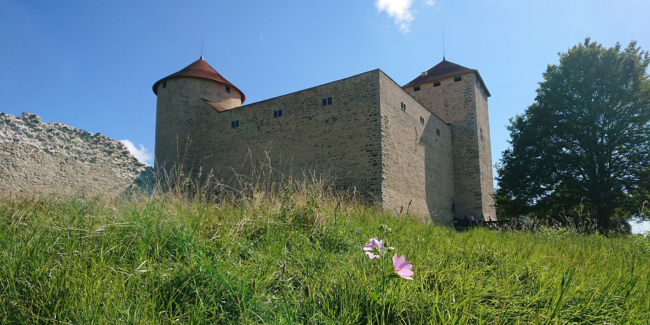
point(442, 70)
point(214, 105)
point(199, 69)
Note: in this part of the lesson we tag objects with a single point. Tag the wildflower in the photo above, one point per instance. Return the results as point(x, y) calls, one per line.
point(402, 267)
point(374, 248)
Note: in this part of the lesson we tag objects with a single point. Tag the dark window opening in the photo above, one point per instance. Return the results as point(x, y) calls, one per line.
point(164, 84)
point(227, 89)
point(438, 132)
point(234, 124)
point(481, 130)
point(421, 120)
point(457, 79)
point(436, 83)
point(277, 113)
point(416, 88)
point(329, 101)
point(326, 101)
point(403, 106)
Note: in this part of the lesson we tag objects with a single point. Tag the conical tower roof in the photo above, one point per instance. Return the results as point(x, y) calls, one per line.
point(442, 70)
point(199, 69)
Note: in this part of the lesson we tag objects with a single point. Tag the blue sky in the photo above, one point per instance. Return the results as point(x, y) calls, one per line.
point(91, 64)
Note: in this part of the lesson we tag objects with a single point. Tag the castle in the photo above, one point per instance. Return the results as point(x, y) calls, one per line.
point(424, 146)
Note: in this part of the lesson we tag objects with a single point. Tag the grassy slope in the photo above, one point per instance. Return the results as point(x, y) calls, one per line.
point(166, 260)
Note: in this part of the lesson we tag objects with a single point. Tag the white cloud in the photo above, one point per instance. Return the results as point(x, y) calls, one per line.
point(430, 2)
point(400, 10)
point(142, 154)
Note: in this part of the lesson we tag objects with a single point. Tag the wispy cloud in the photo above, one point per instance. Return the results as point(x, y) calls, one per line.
point(400, 10)
point(142, 154)
point(430, 2)
point(262, 38)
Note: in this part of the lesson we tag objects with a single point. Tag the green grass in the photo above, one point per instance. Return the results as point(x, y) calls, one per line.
point(164, 259)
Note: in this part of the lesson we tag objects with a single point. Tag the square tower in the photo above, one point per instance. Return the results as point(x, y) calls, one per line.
point(458, 96)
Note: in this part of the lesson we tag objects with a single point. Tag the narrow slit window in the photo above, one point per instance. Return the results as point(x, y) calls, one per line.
point(403, 106)
point(436, 83)
point(438, 132)
point(421, 120)
point(234, 124)
point(457, 79)
point(417, 88)
point(481, 131)
point(227, 89)
point(164, 84)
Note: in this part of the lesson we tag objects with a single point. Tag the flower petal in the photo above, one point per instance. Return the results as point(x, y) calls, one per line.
point(399, 263)
point(406, 273)
point(371, 255)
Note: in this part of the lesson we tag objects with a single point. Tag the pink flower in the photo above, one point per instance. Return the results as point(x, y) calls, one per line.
point(374, 246)
point(402, 267)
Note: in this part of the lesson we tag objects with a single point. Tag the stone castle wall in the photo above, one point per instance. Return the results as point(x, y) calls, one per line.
point(485, 153)
point(433, 165)
point(456, 103)
point(340, 140)
point(54, 158)
point(181, 115)
point(417, 156)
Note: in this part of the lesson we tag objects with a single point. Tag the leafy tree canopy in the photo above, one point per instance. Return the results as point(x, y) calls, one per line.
point(584, 145)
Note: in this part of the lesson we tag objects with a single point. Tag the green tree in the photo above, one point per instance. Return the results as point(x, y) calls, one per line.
point(585, 142)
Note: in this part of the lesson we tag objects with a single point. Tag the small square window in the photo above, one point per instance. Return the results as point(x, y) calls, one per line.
point(324, 101)
point(164, 84)
point(421, 120)
point(417, 88)
point(436, 83)
point(329, 101)
point(277, 113)
point(227, 89)
point(457, 79)
point(234, 124)
point(438, 132)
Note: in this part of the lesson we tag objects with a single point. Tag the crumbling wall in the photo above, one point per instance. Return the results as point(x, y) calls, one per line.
point(54, 158)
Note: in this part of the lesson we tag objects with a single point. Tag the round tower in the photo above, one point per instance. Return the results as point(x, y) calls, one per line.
point(187, 103)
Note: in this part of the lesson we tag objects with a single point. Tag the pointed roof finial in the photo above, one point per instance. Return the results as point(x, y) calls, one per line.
point(443, 45)
point(201, 46)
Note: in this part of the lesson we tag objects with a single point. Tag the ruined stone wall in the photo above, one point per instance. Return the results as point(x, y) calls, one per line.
point(417, 156)
point(54, 158)
point(340, 140)
point(455, 103)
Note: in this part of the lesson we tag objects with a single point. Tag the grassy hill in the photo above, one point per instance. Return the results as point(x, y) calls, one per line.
point(296, 257)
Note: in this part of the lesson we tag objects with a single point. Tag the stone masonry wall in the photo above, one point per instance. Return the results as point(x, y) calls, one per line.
point(455, 103)
point(417, 156)
point(485, 153)
point(54, 158)
point(341, 140)
point(181, 114)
